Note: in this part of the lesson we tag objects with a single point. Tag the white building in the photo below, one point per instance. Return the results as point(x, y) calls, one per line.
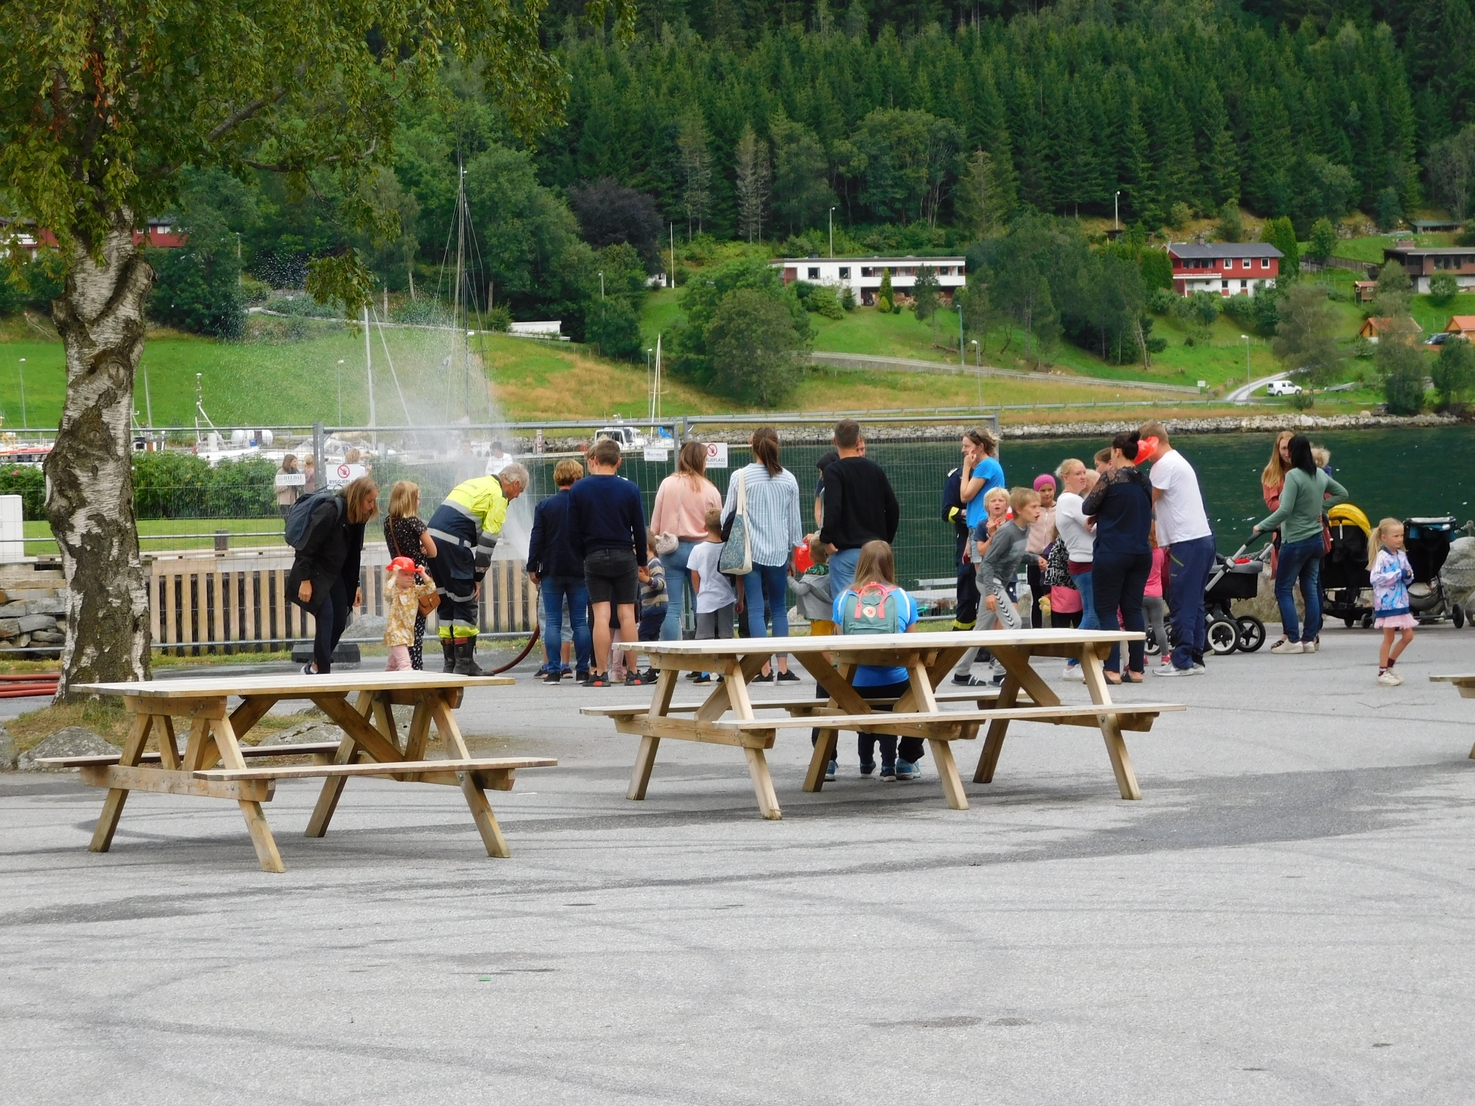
point(862, 275)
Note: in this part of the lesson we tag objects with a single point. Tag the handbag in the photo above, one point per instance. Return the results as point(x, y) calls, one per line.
point(737, 547)
point(1057, 567)
point(428, 603)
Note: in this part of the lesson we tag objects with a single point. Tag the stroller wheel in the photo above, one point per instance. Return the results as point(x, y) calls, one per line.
point(1251, 633)
point(1367, 622)
point(1223, 635)
point(1457, 616)
point(1348, 622)
point(1151, 647)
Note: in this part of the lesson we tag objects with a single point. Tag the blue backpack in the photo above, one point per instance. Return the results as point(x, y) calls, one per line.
point(299, 518)
point(871, 609)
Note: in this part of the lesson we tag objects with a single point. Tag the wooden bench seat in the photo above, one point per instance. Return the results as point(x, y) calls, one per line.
point(937, 726)
point(497, 771)
point(809, 705)
point(153, 756)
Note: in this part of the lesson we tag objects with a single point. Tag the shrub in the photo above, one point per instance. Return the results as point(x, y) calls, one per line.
point(198, 291)
point(181, 485)
point(1179, 215)
point(425, 311)
point(1454, 373)
point(823, 301)
point(1401, 366)
point(1160, 301)
point(1231, 229)
point(612, 327)
point(1442, 288)
point(28, 482)
point(847, 297)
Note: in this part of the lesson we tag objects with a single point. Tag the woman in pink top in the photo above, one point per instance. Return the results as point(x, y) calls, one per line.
point(682, 503)
point(1152, 596)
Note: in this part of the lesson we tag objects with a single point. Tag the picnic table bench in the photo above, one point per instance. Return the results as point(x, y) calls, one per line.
point(213, 763)
point(927, 658)
point(1465, 684)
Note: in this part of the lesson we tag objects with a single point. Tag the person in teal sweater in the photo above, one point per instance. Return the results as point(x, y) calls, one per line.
point(1307, 492)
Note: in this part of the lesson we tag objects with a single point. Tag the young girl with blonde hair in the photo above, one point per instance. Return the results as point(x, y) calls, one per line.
point(1391, 574)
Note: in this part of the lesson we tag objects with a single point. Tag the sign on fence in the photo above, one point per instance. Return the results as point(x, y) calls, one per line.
point(657, 453)
point(339, 475)
point(291, 479)
point(716, 455)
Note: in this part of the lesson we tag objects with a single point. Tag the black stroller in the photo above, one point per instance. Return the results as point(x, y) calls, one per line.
point(1427, 541)
point(1234, 577)
point(1346, 591)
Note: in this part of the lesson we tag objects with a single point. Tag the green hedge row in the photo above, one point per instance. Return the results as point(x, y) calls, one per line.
point(171, 485)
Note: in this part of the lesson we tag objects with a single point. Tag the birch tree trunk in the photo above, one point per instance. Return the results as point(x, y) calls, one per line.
point(89, 472)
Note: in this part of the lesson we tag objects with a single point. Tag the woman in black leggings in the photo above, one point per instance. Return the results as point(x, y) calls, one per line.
point(1121, 502)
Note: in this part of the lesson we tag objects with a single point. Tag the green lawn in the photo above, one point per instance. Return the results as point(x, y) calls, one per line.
point(1371, 248)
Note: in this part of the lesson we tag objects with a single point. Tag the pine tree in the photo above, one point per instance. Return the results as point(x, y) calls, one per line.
point(753, 179)
point(696, 170)
point(1323, 240)
point(980, 203)
point(884, 297)
point(1281, 234)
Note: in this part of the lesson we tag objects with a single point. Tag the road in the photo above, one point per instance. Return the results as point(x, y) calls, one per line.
point(1242, 395)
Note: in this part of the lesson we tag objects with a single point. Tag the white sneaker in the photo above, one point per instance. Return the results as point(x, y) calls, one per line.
point(1172, 670)
point(1073, 672)
point(1310, 646)
point(1284, 647)
point(1389, 678)
point(1198, 668)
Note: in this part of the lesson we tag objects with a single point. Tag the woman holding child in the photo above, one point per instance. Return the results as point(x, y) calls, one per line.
point(1121, 504)
point(769, 495)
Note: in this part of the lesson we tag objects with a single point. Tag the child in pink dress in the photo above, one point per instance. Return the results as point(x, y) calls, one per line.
point(1391, 574)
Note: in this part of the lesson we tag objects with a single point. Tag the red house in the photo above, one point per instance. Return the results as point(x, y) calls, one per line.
point(161, 234)
point(1226, 268)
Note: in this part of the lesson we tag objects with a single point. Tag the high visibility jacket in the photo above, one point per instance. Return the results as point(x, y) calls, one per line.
point(481, 503)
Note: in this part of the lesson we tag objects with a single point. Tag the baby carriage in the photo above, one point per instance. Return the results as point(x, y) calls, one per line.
point(1427, 541)
point(1346, 591)
point(1236, 576)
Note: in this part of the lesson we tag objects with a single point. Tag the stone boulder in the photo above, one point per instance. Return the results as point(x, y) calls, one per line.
point(8, 753)
point(1458, 572)
point(74, 741)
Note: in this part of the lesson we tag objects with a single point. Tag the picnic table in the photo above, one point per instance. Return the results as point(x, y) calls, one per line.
point(213, 762)
point(1464, 684)
point(928, 659)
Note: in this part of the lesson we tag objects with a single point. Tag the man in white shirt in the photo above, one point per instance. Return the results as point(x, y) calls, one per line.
point(1183, 530)
point(498, 460)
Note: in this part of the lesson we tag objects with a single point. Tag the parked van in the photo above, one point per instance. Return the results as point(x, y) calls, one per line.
point(1282, 388)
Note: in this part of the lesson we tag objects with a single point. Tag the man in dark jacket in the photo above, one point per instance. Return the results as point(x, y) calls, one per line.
point(558, 573)
point(325, 571)
point(860, 505)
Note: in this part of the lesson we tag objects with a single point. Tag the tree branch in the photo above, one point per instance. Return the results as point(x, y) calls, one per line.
point(331, 159)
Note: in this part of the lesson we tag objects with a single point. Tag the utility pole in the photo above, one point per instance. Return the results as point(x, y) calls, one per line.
point(673, 255)
point(24, 422)
point(601, 287)
point(369, 370)
point(832, 234)
point(148, 402)
point(1116, 211)
point(1248, 379)
point(340, 391)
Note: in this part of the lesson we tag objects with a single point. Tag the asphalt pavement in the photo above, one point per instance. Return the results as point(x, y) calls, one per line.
point(1287, 916)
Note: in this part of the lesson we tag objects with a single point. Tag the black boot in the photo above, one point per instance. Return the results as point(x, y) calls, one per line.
point(466, 658)
point(448, 649)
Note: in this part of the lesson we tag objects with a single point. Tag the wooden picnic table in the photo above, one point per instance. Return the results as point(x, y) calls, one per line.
point(213, 761)
point(1465, 684)
point(928, 659)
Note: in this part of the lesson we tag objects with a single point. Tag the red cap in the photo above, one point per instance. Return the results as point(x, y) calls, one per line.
point(401, 564)
point(1145, 449)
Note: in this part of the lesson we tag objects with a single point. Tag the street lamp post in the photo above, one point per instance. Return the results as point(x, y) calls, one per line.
point(1248, 379)
point(25, 424)
point(1116, 211)
point(832, 234)
point(978, 364)
point(601, 286)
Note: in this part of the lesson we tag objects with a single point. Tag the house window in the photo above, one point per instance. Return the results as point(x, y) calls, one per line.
point(867, 271)
point(1224, 285)
point(1243, 285)
point(814, 272)
point(844, 272)
point(1264, 262)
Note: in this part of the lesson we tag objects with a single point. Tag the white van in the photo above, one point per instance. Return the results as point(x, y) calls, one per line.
point(1282, 388)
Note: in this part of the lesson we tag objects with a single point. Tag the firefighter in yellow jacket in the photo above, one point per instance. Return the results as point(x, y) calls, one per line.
point(465, 528)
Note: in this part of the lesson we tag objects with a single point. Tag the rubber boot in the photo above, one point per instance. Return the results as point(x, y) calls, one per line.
point(466, 658)
point(448, 649)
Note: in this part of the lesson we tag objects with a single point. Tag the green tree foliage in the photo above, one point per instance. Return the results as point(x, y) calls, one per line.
point(755, 346)
point(1388, 208)
point(754, 182)
point(924, 294)
point(1199, 311)
point(1281, 234)
point(1452, 171)
point(1231, 227)
point(1306, 336)
point(905, 158)
point(1393, 291)
point(823, 302)
point(612, 327)
point(1400, 364)
point(1157, 269)
point(1443, 288)
point(984, 197)
point(801, 193)
point(691, 354)
point(978, 312)
point(1454, 374)
point(28, 482)
point(885, 296)
point(1323, 240)
point(198, 288)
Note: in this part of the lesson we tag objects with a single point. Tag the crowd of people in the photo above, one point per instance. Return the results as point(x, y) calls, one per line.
point(1126, 543)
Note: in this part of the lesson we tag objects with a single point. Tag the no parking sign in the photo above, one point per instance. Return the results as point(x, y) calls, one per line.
point(716, 455)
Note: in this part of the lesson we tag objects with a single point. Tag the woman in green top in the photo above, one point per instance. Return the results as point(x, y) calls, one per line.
point(1302, 500)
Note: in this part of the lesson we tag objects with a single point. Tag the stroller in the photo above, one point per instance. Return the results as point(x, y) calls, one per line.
point(1234, 577)
point(1346, 591)
point(1427, 542)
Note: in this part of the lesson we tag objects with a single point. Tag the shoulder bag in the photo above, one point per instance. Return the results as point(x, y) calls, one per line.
point(737, 548)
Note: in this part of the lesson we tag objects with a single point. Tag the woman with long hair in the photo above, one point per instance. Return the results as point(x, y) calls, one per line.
point(1304, 495)
point(1272, 480)
point(1121, 503)
point(680, 512)
point(771, 515)
point(325, 572)
point(406, 535)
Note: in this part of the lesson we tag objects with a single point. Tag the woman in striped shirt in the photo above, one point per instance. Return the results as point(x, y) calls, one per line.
point(774, 529)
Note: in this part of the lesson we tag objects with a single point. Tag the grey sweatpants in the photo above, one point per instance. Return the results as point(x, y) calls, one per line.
point(1157, 611)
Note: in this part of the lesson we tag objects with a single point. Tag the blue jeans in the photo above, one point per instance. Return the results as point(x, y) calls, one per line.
point(1300, 560)
point(770, 584)
point(1089, 621)
point(678, 580)
point(557, 590)
point(1118, 580)
point(1189, 565)
point(842, 570)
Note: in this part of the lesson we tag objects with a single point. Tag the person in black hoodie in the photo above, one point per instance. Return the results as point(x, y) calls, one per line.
point(558, 572)
point(860, 505)
point(325, 572)
point(1121, 503)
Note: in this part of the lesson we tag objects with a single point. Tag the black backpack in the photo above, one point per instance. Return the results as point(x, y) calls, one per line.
point(299, 518)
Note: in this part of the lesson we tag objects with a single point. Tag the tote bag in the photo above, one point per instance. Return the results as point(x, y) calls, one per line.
point(737, 549)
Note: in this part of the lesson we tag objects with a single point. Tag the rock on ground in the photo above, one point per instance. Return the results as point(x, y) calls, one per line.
point(8, 754)
point(74, 741)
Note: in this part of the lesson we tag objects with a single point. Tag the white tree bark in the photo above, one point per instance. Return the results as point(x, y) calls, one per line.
point(89, 472)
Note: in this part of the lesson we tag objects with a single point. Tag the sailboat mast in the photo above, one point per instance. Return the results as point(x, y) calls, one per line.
point(460, 313)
